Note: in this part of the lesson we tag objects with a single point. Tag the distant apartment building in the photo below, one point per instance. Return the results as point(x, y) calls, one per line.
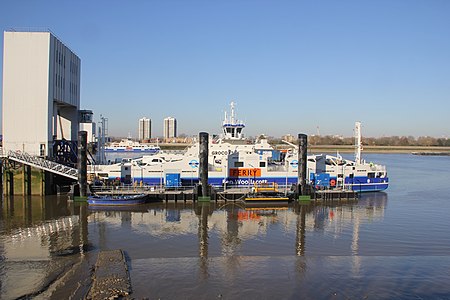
point(145, 129)
point(41, 92)
point(170, 128)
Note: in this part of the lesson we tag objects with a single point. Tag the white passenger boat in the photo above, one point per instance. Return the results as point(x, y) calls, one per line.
point(128, 145)
point(233, 161)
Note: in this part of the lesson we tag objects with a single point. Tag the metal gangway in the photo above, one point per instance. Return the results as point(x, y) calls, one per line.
point(43, 164)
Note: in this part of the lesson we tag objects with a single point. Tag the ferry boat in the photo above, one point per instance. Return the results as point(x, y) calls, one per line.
point(234, 161)
point(128, 145)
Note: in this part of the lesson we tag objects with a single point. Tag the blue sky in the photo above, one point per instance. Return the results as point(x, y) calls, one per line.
point(291, 66)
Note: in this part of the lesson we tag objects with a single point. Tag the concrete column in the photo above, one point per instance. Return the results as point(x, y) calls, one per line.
point(82, 162)
point(49, 188)
point(11, 182)
point(302, 161)
point(203, 157)
point(26, 183)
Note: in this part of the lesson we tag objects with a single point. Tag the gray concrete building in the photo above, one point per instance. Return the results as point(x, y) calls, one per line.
point(41, 92)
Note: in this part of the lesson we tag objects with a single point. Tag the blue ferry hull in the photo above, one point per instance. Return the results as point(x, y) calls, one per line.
point(359, 184)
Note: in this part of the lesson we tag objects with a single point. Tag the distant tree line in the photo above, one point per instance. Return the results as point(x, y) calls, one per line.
point(381, 141)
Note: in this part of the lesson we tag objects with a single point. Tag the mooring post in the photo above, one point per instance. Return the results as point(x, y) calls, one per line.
point(203, 157)
point(302, 161)
point(82, 163)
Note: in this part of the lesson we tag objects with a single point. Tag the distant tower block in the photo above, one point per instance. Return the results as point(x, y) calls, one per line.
point(145, 129)
point(170, 128)
point(41, 92)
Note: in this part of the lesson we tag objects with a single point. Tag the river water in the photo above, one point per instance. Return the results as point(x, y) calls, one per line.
point(392, 245)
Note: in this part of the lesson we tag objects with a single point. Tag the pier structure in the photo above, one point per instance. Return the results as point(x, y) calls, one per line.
point(41, 93)
point(21, 164)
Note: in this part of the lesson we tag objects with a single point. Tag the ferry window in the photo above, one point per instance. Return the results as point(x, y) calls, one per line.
point(351, 175)
point(371, 175)
point(262, 164)
point(238, 164)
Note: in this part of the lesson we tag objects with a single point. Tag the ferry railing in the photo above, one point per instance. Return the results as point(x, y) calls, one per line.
point(44, 164)
point(281, 188)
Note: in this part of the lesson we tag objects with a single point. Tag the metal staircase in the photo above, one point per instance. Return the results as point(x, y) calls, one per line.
point(40, 163)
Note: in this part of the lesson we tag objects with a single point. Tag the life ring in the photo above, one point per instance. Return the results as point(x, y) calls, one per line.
point(333, 182)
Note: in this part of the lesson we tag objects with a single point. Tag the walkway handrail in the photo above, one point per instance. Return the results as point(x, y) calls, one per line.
point(40, 163)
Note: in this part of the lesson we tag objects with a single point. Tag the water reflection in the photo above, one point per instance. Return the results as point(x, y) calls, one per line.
point(37, 233)
point(239, 229)
point(44, 229)
point(203, 211)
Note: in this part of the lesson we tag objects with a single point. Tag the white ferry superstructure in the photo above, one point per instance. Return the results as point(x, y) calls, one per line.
point(233, 161)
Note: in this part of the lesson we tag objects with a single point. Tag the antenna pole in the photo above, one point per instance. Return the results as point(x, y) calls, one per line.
point(358, 144)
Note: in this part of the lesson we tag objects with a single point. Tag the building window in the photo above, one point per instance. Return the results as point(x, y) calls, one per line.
point(42, 150)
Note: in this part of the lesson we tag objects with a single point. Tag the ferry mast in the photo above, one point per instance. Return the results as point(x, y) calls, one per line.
point(358, 144)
